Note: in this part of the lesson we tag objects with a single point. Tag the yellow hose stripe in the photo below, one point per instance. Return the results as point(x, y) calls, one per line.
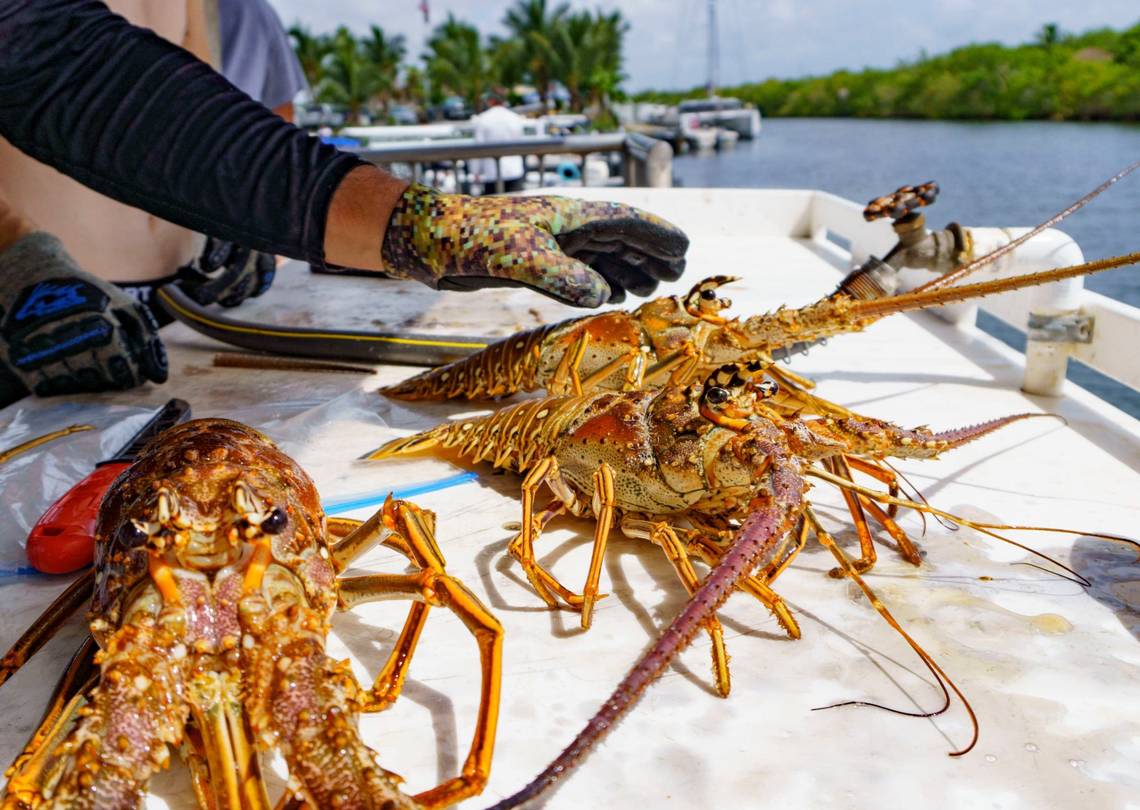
point(168, 301)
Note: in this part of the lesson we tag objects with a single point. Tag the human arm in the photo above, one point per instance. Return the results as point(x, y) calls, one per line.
point(143, 121)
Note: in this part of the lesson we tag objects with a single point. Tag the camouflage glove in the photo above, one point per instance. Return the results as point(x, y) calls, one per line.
point(579, 252)
point(64, 331)
point(227, 274)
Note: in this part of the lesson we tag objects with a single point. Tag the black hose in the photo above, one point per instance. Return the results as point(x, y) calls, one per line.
point(327, 344)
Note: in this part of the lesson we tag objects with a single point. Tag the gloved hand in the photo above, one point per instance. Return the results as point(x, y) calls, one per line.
point(64, 331)
point(227, 274)
point(577, 251)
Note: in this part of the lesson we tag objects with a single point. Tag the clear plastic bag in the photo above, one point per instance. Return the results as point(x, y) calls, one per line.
point(33, 481)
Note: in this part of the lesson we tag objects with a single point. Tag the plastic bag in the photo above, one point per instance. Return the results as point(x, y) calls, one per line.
point(33, 481)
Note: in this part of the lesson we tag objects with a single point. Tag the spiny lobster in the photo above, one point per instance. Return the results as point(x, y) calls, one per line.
point(681, 339)
point(215, 581)
point(679, 466)
point(759, 467)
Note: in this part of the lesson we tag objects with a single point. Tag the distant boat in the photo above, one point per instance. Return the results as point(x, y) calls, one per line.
point(722, 111)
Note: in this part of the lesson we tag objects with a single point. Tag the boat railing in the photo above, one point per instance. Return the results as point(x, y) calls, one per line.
point(1059, 323)
point(646, 161)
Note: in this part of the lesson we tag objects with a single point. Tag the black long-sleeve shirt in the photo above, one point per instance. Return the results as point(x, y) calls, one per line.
point(141, 120)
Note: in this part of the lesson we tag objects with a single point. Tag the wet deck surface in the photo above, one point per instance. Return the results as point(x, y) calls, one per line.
point(1049, 666)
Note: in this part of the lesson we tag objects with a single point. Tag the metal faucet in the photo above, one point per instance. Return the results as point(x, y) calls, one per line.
point(918, 246)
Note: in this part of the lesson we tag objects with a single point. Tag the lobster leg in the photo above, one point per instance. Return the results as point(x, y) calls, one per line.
point(679, 367)
point(757, 587)
point(663, 535)
point(432, 586)
point(48, 623)
point(867, 558)
point(522, 547)
point(634, 369)
point(565, 379)
point(907, 549)
point(883, 476)
point(603, 505)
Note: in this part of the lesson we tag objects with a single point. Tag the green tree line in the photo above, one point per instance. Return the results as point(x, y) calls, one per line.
point(1093, 76)
point(544, 44)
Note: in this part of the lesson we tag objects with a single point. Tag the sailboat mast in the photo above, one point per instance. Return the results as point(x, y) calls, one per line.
point(713, 54)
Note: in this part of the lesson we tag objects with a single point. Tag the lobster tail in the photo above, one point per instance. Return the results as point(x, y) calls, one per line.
point(416, 443)
point(502, 368)
point(512, 437)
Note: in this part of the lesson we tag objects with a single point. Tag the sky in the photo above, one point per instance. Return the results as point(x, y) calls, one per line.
point(666, 45)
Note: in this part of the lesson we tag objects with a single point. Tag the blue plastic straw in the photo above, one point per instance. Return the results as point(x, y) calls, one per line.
point(335, 507)
point(22, 571)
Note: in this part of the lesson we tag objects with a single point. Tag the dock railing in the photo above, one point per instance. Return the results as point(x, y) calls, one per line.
point(646, 161)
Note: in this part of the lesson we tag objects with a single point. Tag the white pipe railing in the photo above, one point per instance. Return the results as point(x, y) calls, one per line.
point(1104, 332)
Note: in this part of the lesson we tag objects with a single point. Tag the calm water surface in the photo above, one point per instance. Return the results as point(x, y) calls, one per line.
point(1002, 174)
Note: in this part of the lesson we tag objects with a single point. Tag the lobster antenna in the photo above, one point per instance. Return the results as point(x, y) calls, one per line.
point(828, 542)
point(922, 298)
point(994, 255)
point(984, 528)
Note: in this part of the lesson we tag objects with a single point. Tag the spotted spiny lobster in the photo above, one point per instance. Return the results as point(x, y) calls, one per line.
point(679, 466)
point(215, 580)
point(681, 339)
point(760, 466)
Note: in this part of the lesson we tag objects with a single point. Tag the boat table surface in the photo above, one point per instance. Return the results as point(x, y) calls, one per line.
point(1049, 666)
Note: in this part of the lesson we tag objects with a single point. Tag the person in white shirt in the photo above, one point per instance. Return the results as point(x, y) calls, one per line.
point(497, 123)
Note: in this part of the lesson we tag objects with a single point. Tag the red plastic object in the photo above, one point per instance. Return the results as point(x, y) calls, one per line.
point(63, 540)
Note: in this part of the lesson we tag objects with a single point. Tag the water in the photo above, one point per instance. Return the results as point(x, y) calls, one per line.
point(990, 174)
point(1002, 174)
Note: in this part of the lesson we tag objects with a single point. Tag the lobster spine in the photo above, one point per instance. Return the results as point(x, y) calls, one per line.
point(505, 367)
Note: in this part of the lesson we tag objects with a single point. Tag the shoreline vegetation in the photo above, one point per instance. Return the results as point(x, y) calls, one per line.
point(1092, 76)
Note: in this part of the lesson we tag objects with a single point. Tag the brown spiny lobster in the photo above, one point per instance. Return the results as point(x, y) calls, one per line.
point(679, 466)
point(736, 479)
point(216, 578)
point(681, 339)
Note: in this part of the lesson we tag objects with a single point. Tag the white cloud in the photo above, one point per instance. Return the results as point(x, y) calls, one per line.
point(758, 38)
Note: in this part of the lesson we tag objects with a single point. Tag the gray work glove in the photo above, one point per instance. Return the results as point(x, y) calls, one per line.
point(64, 331)
point(227, 274)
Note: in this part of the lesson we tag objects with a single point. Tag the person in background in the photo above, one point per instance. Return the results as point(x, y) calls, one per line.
point(257, 56)
point(81, 263)
point(498, 123)
point(144, 121)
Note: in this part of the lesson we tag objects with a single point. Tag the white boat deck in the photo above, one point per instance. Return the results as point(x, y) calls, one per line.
point(1050, 667)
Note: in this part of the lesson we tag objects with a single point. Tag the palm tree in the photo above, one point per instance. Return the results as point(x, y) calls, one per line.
point(348, 76)
point(457, 60)
point(386, 53)
point(587, 53)
point(533, 25)
point(310, 49)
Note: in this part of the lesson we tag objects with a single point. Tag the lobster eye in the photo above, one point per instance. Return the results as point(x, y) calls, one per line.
point(131, 535)
point(275, 521)
point(708, 295)
point(716, 396)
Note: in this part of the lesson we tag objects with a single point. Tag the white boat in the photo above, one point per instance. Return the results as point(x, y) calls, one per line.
point(1049, 666)
point(723, 112)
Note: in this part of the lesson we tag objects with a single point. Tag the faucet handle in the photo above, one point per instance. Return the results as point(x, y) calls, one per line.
point(902, 202)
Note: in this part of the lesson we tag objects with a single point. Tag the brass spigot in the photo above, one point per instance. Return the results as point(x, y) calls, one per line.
point(938, 251)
